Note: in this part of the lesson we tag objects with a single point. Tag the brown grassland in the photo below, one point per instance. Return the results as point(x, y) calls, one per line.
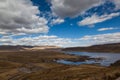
point(40, 65)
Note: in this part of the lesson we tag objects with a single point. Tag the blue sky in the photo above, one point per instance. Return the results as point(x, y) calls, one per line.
point(63, 23)
point(70, 28)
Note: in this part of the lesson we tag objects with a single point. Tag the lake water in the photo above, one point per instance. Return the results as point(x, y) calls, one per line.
point(107, 58)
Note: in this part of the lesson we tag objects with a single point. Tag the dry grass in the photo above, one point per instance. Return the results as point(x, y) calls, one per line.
point(41, 67)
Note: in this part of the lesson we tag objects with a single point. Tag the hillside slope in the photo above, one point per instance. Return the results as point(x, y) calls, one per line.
point(29, 48)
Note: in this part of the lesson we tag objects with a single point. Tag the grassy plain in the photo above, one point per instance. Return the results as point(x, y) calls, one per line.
point(41, 65)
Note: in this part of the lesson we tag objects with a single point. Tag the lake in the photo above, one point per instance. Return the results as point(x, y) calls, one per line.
point(107, 58)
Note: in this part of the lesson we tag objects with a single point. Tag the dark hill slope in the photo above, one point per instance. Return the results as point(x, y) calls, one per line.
point(14, 48)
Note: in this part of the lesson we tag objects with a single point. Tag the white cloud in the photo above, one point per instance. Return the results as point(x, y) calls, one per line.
point(5, 40)
point(105, 29)
point(57, 21)
point(52, 40)
point(101, 38)
point(72, 8)
point(117, 3)
point(41, 40)
point(20, 16)
point(97, 19)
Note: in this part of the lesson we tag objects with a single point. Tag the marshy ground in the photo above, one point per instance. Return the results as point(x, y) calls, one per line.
point(41, 65)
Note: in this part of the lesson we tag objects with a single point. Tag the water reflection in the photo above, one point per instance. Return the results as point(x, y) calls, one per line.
point(108, 58)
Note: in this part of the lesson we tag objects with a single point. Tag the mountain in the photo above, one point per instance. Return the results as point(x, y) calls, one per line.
point(13, 48)
point(21, 48)
point(113, 47)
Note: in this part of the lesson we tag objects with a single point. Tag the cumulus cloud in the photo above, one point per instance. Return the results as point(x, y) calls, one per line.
point(101, 38)
point(20, 16)
point(53, 40)
point(57, 21)
point(6, 40)
point(72, 8)
point(41, 40)
point(105, 29)
point(97, 19)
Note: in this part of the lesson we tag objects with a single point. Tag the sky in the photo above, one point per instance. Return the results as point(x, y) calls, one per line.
point(64, 23)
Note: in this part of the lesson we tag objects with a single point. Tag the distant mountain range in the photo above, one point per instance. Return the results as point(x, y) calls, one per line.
point(113, 47)
point(21, 48)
